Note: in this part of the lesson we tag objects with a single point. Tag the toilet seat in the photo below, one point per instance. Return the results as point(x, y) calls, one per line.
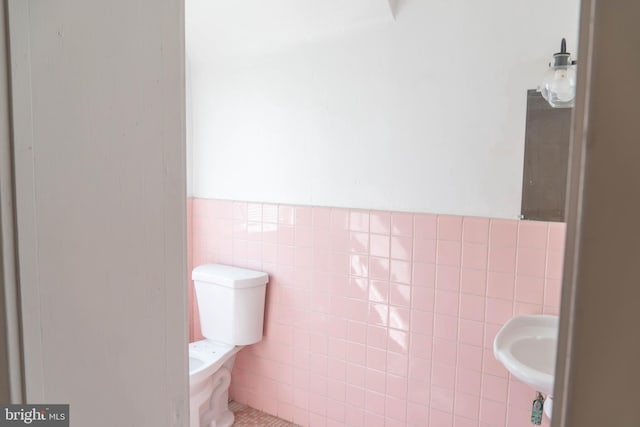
point(206, 356)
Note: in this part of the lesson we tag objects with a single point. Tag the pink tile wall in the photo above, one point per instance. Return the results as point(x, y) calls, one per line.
point(382, 318)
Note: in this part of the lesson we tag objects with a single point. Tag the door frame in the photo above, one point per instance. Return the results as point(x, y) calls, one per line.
point(11, 379)
point(596, 369)
point(24, 197)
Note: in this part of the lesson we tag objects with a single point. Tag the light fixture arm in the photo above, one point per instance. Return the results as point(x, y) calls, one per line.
point(563, 57)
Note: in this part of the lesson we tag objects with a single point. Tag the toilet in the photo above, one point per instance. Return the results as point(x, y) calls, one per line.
point(231, 305)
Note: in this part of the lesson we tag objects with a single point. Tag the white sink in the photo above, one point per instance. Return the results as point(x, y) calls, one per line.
point(526, 346)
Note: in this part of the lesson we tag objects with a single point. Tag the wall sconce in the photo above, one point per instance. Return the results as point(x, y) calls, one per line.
point(559, 83)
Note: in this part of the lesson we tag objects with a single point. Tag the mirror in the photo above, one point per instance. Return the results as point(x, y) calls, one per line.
point(546, 160)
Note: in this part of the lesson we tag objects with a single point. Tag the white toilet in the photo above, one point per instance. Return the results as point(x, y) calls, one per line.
point(231, 305)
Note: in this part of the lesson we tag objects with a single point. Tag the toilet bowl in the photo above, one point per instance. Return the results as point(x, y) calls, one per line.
point(231, 307)
point(210, 365)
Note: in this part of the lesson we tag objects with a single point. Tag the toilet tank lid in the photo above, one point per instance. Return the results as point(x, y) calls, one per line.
point(226, 275)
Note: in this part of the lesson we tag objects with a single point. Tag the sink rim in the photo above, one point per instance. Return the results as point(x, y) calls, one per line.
point(535, 326)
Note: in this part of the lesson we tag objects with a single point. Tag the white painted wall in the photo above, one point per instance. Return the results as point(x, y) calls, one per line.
point(425, 113)
point(98, 102)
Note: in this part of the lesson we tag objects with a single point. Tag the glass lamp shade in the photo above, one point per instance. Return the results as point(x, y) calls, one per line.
point(559, 86)
point(559, 83)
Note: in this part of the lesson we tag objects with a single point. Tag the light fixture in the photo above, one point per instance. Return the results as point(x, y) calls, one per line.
point(559, 83)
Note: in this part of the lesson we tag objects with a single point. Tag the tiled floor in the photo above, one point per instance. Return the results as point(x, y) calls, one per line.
point(249, 417)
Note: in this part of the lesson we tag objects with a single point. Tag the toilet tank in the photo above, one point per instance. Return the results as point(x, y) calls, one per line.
point(230, 302)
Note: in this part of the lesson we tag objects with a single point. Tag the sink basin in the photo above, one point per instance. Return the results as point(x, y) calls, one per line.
point(526, 346)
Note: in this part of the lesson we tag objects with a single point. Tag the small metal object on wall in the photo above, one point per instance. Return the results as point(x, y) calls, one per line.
point(537, 409)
